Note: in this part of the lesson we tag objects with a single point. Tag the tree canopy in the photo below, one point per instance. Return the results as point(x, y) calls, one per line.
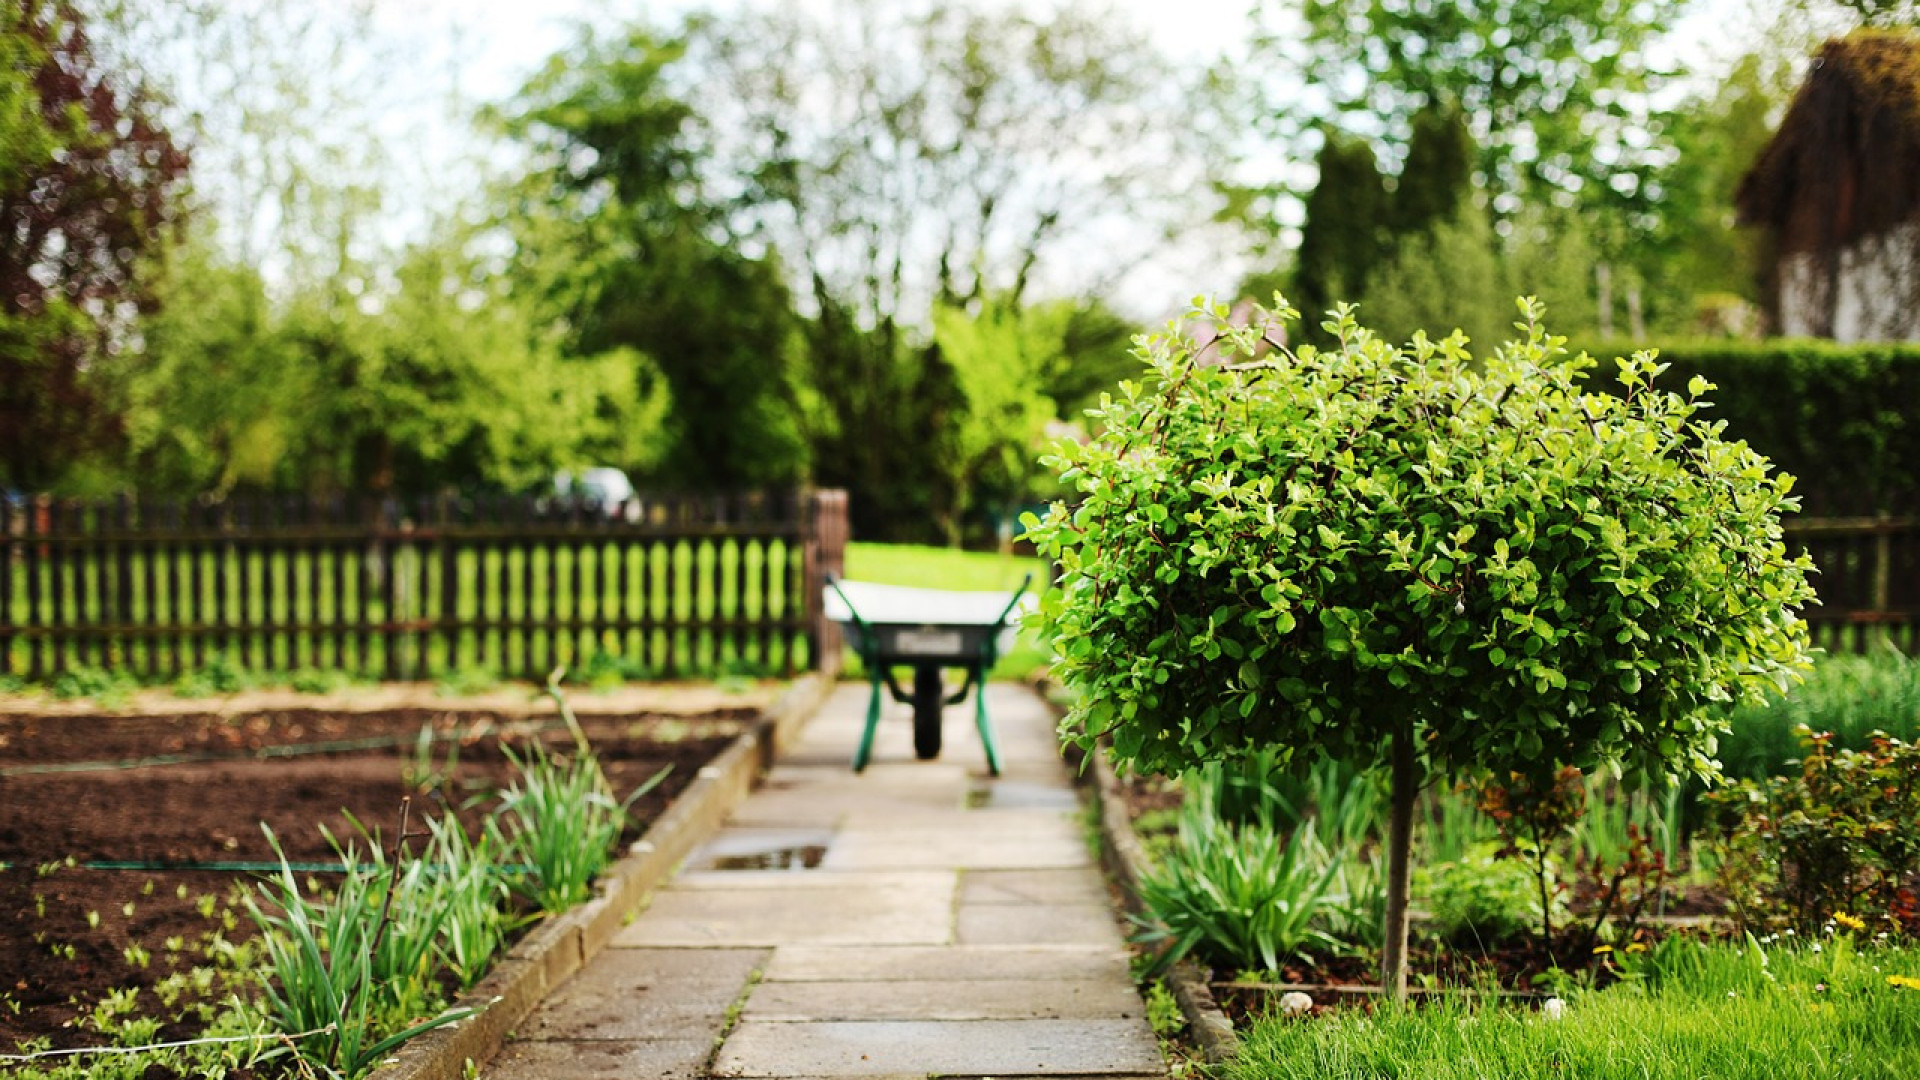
point(89, 184)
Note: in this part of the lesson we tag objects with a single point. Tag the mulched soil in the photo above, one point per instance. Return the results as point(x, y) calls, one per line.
point(65, 929)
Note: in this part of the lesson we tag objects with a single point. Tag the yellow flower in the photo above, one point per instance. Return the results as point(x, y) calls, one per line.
point(1637, 946)
point(1907, 981)
point(1849, 921)
point(1600, 949)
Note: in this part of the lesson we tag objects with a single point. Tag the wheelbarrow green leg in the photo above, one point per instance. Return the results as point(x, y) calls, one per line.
point(980, 721)
point(865, 751)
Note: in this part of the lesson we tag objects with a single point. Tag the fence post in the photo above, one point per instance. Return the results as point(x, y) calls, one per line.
point(1882, 579)
point(825, 525)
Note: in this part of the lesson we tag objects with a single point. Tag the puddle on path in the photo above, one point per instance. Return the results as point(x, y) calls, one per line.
point(805, 857)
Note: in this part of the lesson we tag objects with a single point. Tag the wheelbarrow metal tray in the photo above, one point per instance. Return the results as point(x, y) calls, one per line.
point(924, 624)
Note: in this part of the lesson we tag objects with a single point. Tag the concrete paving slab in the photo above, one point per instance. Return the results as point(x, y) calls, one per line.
point(961, 962)
point(1054, 999)
point(644, 994)
point(666, 1059)
point(983, 1047)
point(906, 849)
point(1063, 924)
point(944, 881)
point(1075, 885)
point(918, 915)
point(1023, 794)
point(823, 963)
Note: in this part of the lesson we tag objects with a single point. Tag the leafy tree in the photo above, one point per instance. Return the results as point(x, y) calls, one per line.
point(1437, 179)
point(620, 238)
point(1718, 135)
point(450, 382)
point(89, 183)
point(1559, 93)
point(1001, 359)
point(1417, 560)
point(1450, 274)
point(1345, 235)
point(901, 157)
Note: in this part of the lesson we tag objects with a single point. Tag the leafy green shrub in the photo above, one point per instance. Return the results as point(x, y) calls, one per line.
point(12, 684)
point(1830, 414)
point(1483, 898)
point(220, 675)
point(1838, 838)
point(320, 680)
point(606, 670)
point(1417, 559)
point(465, 681)
point(109, 688)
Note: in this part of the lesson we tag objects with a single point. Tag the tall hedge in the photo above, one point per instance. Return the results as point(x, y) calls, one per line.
point(1843, 419)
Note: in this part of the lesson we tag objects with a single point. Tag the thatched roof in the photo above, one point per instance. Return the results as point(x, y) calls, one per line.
point(1845, 163)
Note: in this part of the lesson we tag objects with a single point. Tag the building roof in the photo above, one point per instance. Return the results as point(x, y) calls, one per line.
point(1846, 161)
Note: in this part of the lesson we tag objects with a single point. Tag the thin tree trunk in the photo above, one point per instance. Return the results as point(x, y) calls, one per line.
point(1406, 789)
point(1603, 298)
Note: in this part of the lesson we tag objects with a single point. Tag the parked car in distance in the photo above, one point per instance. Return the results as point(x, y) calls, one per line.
point(605, 490)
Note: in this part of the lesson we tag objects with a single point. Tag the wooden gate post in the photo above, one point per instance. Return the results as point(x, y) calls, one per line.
point(825, 525)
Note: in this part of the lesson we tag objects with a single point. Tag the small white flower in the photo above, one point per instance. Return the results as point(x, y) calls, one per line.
point(1789, 932)
point(1553, 1008)
point(1733, 993)
point(1816, 946)
point(1295, 1003)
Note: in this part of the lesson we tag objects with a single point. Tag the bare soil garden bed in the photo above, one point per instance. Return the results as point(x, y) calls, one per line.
point(126, 839)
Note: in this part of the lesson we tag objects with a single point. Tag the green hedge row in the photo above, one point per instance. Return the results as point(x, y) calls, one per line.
point(1843, 419)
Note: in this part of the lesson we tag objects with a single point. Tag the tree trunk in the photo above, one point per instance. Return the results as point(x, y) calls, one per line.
point(1406, 789)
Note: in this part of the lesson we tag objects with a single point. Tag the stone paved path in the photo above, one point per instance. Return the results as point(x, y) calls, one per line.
point(954, 924)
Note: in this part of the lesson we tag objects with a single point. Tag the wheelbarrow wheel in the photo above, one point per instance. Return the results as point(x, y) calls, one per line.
point(929, 696)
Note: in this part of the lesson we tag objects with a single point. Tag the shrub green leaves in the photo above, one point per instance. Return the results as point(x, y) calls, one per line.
point(1477, 562)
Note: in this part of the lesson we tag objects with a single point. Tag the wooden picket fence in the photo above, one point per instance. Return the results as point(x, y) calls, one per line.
point(1869, 580)
point(411, 589)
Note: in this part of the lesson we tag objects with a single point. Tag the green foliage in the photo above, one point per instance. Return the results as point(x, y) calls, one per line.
point(1000, 358)
point(1322, 550)
point(625, 245)
point(336, 973)
point(1247, 895)
point(1837, 839)
point(219, 675)
point(89, 184)
point(1404, 557)
point(1450, 276)
point(1437, 180)
point(1559, 91)
point(1483, 899)
point(320, 680)
point(560, 817)
point(1834, 416)
point(1847, 697)
point(1730, 1012)
point(466, 680)
point(1344, 236)
point(109, 688)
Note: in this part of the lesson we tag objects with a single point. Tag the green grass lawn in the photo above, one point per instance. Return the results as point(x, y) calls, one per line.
point(964, 571)
point(1722, 1012)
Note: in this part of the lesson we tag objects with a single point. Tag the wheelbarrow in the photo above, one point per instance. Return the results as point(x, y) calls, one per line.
point(928, 630)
